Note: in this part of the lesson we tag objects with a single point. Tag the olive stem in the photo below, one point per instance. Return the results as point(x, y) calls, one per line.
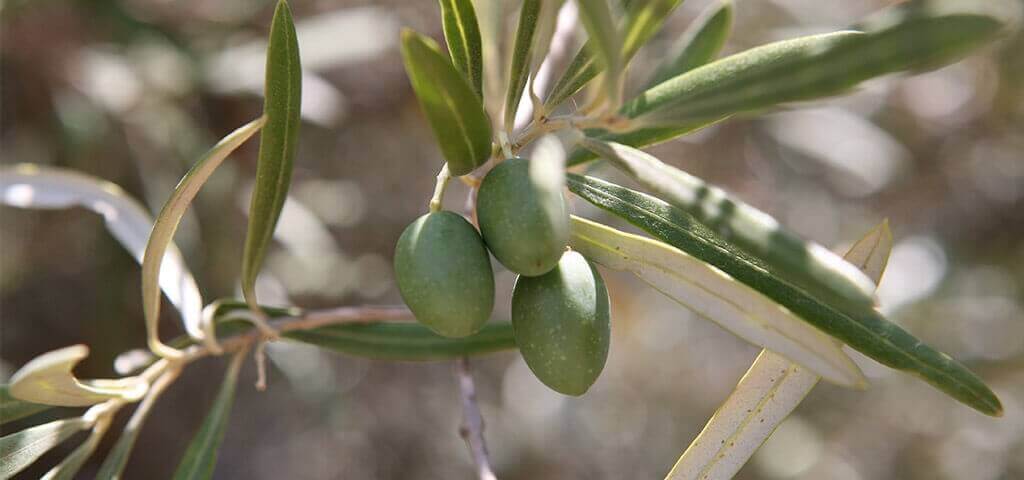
point(472, 429)
point(442, 183)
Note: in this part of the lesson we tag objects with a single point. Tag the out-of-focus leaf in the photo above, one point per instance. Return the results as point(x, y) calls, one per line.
point(201, 456)
point(47, 379)
point(716, 296)
point(405, 341)
point(69, 467)
point(699, 44)
point(113, 465)
point(859, 326)
point(643, 19)
point(455, 113)
point(807, 265)
point(12, 409)
point(19, 450)
point(278, 141)
point(769, 391)
point(462, 34)
point(913, 37)
point(605, 41)
point(36, 186)
point(156, 253)
point(522, 57)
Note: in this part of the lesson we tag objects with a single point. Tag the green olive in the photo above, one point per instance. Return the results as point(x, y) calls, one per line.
point(527, 228)
point(444, 274)
point(561, 324)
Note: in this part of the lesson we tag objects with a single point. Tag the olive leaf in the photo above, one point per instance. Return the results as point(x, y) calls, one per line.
point(47, 379)
point(160, 238)
point(12, 409)
point(805, 264)
point(643, 20)
point(43, 187)
point(278, 141)
point(859, 326)
point(19, 450)
point(201, 456)
point(113, 466)
point(606, 43)
point(455, 113)
point(699, 44)
point(405, 341)
point(769, 391)
point(522, 57)
point(462, 35)
point(69, 467)
point(714, 295)
point(913, 37)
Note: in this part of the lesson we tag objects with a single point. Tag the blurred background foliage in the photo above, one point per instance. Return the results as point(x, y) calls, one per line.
point(134, 90)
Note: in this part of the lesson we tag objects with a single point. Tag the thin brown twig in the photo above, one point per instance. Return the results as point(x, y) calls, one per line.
point(472, 429)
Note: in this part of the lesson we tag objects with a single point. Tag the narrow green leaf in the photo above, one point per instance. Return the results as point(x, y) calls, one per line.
point(117, 459)
point(605, 42)
point(522, 57)
point(162, 235)
point(712, 294)
point(859, 326)
point(19, 450)
point(643, 20)
point(12, 409)
point(278, 141)
point(48, 379)
point(699, 44)
point(201, 456)
point(405, 341)
point(807, 265)
point(455, 113)
point(912, 38)
point(462, 34)
point(69, 467)
point(769, 391)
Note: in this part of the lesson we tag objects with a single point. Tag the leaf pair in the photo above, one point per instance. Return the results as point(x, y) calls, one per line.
point(48, 380)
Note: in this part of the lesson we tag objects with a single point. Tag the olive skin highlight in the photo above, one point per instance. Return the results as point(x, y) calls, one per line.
point(444, 274)
point(561, 322)
point(526, 228)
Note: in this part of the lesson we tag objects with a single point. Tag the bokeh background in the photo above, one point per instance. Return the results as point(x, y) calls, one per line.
point(134, 90)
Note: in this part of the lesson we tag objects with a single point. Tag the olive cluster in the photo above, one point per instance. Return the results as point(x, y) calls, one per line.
point(560, 311)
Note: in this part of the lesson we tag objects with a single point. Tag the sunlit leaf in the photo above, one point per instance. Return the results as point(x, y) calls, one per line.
point(47, 379)
point(699, 44)
point(278, 141)
point(69, 467)
point(462, 34)
point(160, 239)
point(769, 391)
point(805, 264)
point(605, 41)
point(19, 450)
point(717, 297)
point(455, 113)
point(12, 409)
point(859, 326)
point(37, 186)
point(200, 458)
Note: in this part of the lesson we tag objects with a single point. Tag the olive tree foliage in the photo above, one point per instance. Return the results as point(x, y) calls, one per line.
point(713, 254)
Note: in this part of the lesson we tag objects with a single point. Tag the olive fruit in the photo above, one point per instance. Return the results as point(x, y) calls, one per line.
point(526, 227)
point(561, 324)
point(444, 274)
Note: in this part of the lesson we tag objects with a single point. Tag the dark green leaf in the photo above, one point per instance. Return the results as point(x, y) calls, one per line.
point(201, 456)
point(19, 450)
point(860, 327)
point(462, 34)
point(455, 113)
point(405, 341)
point(278, 141)
point(699, 44)
point(12, 409)
point(522, 57)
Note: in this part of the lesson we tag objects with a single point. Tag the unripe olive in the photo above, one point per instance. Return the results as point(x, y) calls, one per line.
point(444, 274)
point(527, 228)
point(561, 324)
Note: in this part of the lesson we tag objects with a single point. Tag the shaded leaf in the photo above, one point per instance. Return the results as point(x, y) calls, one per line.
point(454, 111)
point(522, 58)
point(699, 44)
point(201, 456)
point(405, 341)
point(47, 379)
point(43, 187)
point(859, 326)
point(69, 467)
point(19, 450)
point(717, 297)
point(113, 466)
point(462, 34)
point(12, 409)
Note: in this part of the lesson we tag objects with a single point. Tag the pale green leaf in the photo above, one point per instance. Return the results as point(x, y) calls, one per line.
point(113, 466)
point(69, 467)
point(48, 380)
point(455, 113)
point(278, 142)
point(200, 458)
point(19, 450)
point(606, 43)
point(462, 34)
point(699, 44)
point(716, 296)
point(160, 239)
point(12, 409)
point(522, 58)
